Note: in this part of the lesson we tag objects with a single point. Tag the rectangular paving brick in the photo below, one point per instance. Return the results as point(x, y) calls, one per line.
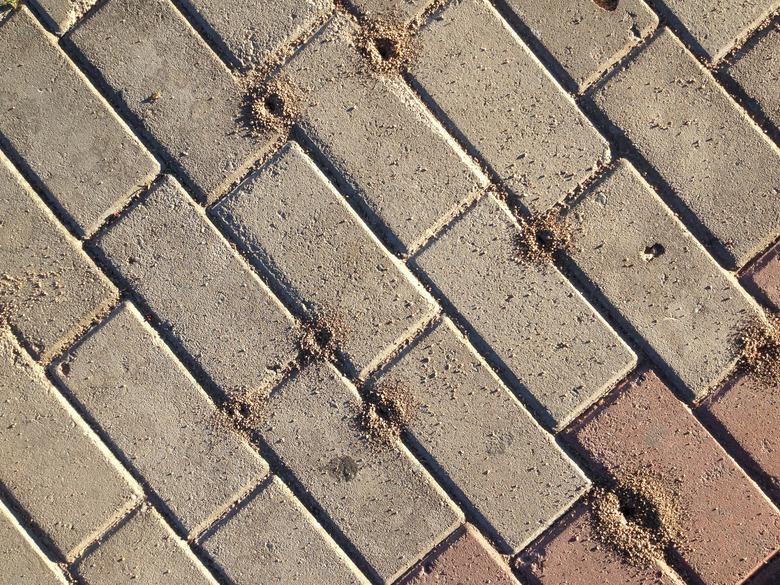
point(390, 155)
point(383, 501)
point(474, 432)
point(571, 552)
point(658, 280)
point(762, 279)
point(50, 462)
point(221, 314)
point(21, 561)
point(77, 149)
point(548, 342)
point(143, 549)
point(504, 105)
point(250, 33)
point(584, 38)
point(271, 538)
point(399, 11)
point(195, 116)
point(746, 411)
point(163, 423)
point(334, 265)
point(730, 527)
point(464, 557)
point(722, 170)
point(713, 27)
point(757, 69)
point(49, 289)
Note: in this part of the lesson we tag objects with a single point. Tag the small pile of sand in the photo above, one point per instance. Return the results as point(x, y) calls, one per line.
point(387, 409)
point(320, 338)
point(542, 237)
point(273, 105)
point(387, 46)
point(758, 345)
point(244, 410)
point(637, 516)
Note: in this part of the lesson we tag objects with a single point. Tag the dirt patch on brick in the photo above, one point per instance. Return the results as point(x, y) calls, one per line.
point(758, 347)
point(542, 237)
point(638, 516)
point(385, 411)
point(344, 468)
point(243, 411)
point(272, 104)
point(387, 46)
point(610, 5)
point(320, 337)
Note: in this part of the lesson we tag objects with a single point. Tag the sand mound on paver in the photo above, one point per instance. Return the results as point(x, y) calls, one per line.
point(758, 345)
point(320, 337)
point(542, 237)
point(637, 516)
point(386, 45)
point(386, 410)
point(243, 411)
point(273, 104)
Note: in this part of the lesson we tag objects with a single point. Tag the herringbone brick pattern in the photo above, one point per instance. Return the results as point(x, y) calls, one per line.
point(389, 291)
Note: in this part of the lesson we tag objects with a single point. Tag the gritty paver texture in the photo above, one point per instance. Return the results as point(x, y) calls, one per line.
point(21, 562)
point(465, 557)
point(49, 289)
point(729, 526)
point(74, 145)
point(555, 349)
point(757, 69)
point(250, 33)
point(503, 105)
point(714, 27)
point(383, 501)
point(296, 226)
point(221, 314)
point(582, 37)
point(474, 431)
point(762, 279)
point(659, 280)
point(59, 15)
point(571, 553)
point(394, 11)
point(386, 150)
point(161, 421)
point(182, 96)
point(271, 538)
point(50, 462)
point(746, 411)
point(722, 170)
point(143, 549)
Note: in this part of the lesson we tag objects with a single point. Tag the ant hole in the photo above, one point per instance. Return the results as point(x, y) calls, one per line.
point(65, 368)
point(274, 104)
point(653, 251)
point(387, 48)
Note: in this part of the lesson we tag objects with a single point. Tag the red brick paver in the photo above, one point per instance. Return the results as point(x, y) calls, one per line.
point(763, 278)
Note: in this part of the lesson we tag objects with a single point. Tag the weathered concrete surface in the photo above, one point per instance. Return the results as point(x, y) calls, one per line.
point(296, 226)
point(74, 145)
point(49, 289)
point(383, 501)
point(499, 100)
point(221, 314)
point(658, 280)
point(50, 462)
point(396, 11)
point(557, 352)
point(152, 410)
point(271, 538)
point(181, 95)
point(390, 155)
point(474, 433)
point(143, 549)
point(724, 174)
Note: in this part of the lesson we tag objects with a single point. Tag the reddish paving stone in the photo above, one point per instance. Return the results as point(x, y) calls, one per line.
point(730, 527)
point(463, 558)
point(745, 411)
point(569, 554)
point(763, 278)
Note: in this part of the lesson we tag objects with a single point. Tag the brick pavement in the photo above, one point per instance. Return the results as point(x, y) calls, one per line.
point(203, 321)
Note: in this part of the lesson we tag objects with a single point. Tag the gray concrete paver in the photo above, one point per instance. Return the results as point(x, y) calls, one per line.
point(184, 98)
point(556, 350)
point(383, 501)
point(74, 144)
point(683, 307)
point(474, 431)
point(293, 223)
point(221, 314)
point(272, 538)
point(720, 167)
point(130, 383)
point(397, 11)
point(50, 462)
point(49, 289)
point(505, 105)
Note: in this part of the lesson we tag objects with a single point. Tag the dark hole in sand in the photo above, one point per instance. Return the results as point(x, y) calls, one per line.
point(387, 48)
point(654, 251)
